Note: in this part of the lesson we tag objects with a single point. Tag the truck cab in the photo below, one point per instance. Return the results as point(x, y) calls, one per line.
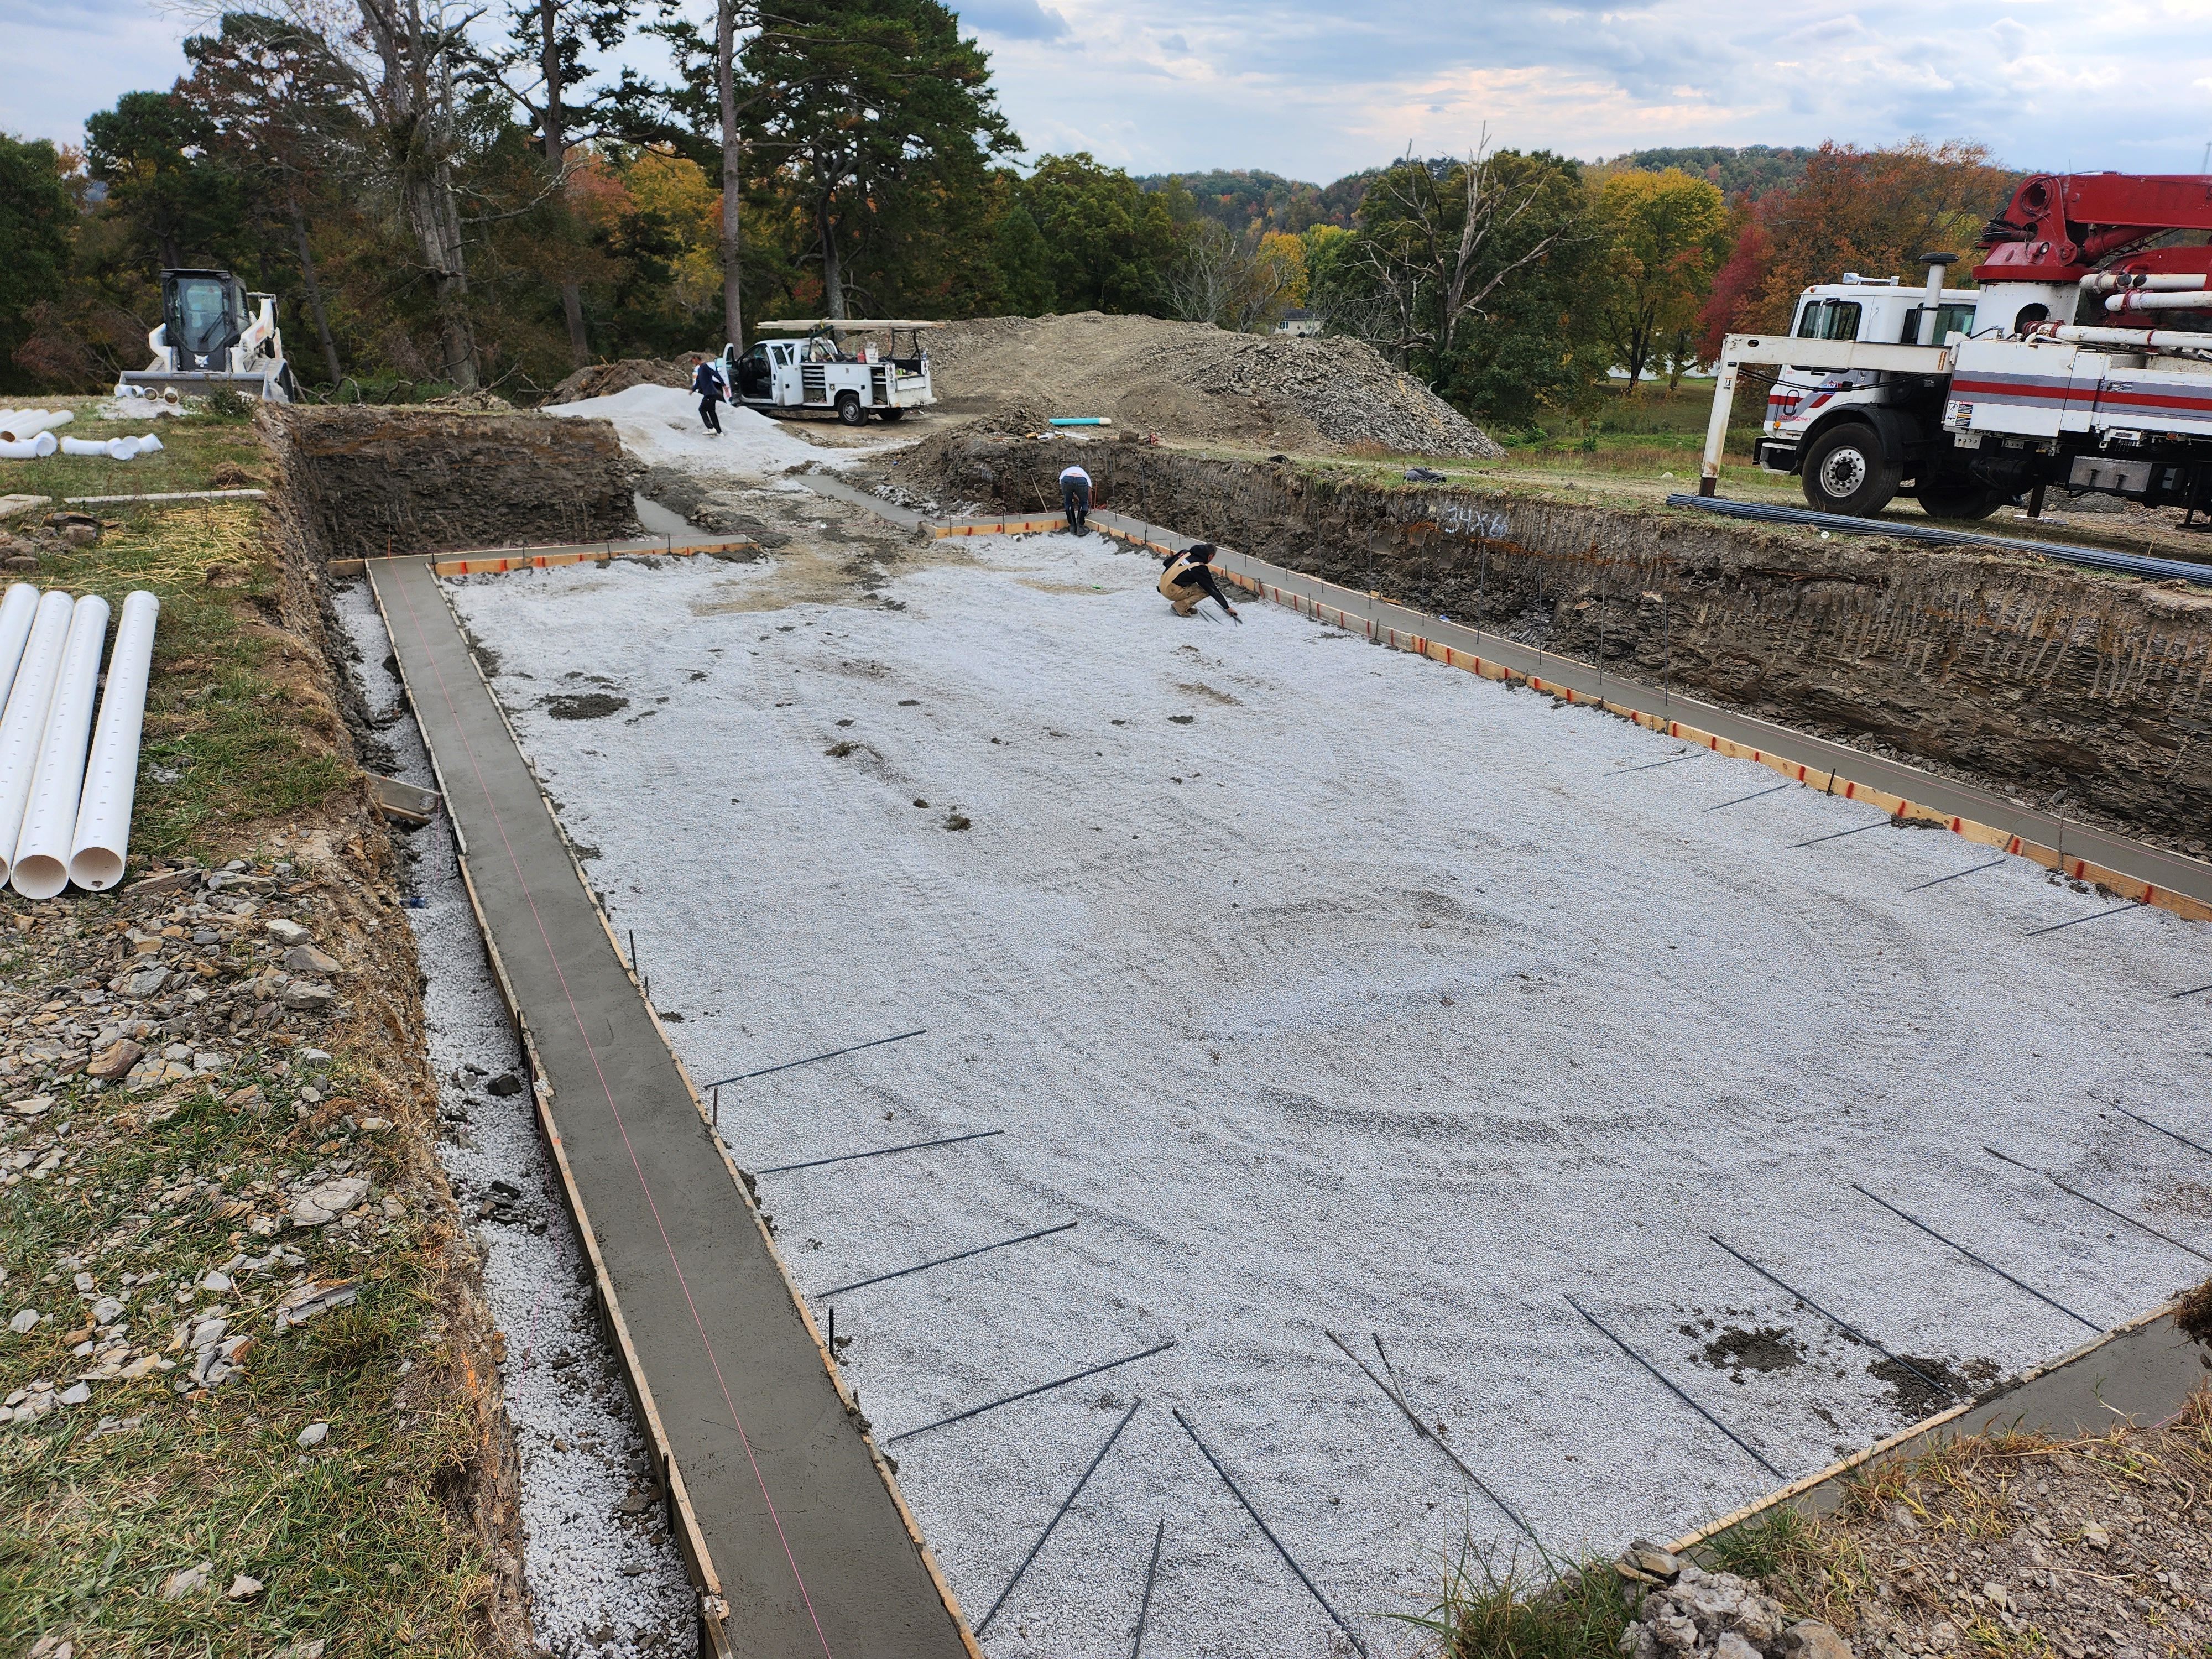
point(1807, 408)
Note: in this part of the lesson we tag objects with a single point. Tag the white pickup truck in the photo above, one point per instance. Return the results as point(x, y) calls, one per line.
point(818, 374)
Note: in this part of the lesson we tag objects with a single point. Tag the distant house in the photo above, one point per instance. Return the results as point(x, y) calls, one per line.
point(1299, 322)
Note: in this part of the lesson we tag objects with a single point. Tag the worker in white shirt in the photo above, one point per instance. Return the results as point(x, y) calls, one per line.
point(1075, 496)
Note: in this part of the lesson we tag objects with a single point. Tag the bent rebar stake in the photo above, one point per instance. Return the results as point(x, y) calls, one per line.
point(878, 1043)
point(1082, 1481)
point(1647, 765)
point(1268, 1533)
point(1668, 1383)
point(1397, 1397)
point(1144, 1606)
point(2117, 1215)
point(942, 1260)
point(880, 1151)
point(2162, 1129)
point(1978, 1261)
point(1839, 1323)
point(1041, 1388)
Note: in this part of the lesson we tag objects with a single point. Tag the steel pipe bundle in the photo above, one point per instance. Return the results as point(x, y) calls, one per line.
point(23, 723)
point(102, 840)
point(40, 867)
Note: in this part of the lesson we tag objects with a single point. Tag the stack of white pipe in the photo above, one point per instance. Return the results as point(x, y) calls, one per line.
point(64, 813)
point(26, 423)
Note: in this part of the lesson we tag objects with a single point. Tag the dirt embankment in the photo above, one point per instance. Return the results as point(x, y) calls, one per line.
point(1194, 381)
point(2090, 693)
point(367, 481)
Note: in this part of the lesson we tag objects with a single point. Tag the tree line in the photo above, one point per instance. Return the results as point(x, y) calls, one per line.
point(444, 205)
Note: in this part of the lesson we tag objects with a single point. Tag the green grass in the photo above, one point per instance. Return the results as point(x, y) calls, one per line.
point(235, 731)
point(358, 1543)
point(1486, 1612)
point(194, 449)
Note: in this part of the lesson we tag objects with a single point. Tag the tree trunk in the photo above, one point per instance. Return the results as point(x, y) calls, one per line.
point(437, 227)
point(413, 105)
point(556, 158)
point(315, 308)
point(726, 87)
point(833, 285)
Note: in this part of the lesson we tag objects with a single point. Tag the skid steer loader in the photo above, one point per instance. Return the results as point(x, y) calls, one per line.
point(207, 338)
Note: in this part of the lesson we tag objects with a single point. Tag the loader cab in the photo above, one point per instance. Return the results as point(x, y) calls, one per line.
point(204, 313)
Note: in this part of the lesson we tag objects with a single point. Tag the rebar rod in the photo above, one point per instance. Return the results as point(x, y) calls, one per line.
point(1978, 1261)
point(2094, 916)
point(1838, 1321)
point(1041, 1388)
point(880, 1151)
point(1668, 1383)
point(942, 1260)
point(2117, 1215)
point(1854, 830)
point(1975, 871)
point(1082, 1481)
point(1145, 1604)
point(1647, 765)
point(1397, 1397)
point(1268, 1533)
point(787, 1065)
point(1753, 795)
point(2163, 1130)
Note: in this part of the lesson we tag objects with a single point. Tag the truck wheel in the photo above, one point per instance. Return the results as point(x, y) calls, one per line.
point(892, 414)
point(849, 411)
point(1845, 472)
point(1954, 498)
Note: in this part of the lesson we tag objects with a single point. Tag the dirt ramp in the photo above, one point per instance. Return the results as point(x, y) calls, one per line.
point(1193, 380)
point(365, 481)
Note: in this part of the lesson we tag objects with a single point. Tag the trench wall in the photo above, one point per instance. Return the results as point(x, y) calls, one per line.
point(361, 482)
point(2092, 694)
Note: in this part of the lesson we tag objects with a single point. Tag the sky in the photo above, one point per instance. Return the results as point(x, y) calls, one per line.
point(1315, 88)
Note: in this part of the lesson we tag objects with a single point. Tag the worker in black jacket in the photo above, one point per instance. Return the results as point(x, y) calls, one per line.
point(707, 381)
point(1186, 578)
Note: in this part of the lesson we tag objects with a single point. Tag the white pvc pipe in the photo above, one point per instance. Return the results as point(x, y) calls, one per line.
point(24, 722)
point(102, 840)
point(116, 449)
point(34, 447)
point(15, 424)
point(40, 868)
point(2109, 282)
point(2128, 339)
point(17, 613)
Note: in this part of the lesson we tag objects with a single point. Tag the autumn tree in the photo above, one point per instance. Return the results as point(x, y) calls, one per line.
point(1663, 239)
point(1875, 212)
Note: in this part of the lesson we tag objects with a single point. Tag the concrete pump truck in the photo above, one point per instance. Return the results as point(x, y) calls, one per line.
point(2039, 377)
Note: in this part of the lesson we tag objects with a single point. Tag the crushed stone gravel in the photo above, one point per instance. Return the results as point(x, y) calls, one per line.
point(1326, 988)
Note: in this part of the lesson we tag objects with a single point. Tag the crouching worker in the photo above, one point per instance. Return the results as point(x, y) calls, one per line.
point(1075, 496)
point(1188, 579)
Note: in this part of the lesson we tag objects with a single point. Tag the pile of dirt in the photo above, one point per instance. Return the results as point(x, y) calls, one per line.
point(604, 379)
point(1192, 381)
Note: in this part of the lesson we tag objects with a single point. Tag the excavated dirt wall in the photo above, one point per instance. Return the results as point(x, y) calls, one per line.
point(365, 481)
point(2088, 693)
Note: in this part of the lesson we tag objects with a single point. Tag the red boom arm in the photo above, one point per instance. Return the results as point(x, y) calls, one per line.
point(2059, 228)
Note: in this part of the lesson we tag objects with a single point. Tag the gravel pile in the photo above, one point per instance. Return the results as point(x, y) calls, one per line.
point(1192, 381)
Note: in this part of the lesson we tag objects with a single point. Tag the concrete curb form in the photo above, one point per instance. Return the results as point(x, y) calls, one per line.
point(870, 1590)
point(2142, 1371)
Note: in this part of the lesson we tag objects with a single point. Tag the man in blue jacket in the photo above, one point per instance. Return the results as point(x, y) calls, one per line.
point(707, 381)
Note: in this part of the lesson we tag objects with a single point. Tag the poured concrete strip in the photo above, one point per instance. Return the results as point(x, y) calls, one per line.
point(2131, 868)
point(2142, 1372)
point(794, 1530)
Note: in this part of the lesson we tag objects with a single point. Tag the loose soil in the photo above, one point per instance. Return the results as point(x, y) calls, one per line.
point(2009, 1545)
